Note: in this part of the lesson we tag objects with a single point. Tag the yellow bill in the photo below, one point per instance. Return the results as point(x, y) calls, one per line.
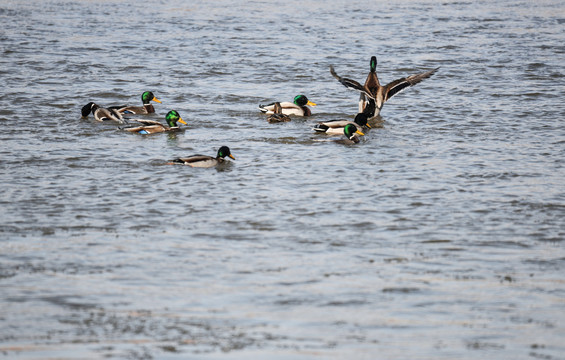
point(156, 100)
point(181, 121)
point(310, 103)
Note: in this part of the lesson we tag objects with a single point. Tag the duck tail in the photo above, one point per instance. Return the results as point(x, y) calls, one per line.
point(265, 108)
point(175, 161)
point(320, 128)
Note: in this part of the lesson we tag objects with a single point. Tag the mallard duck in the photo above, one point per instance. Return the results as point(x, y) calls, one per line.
point(336, 127)
point(367, 106)
point(152, 126)
point(147, 107)
point(374, 90)
point(278, 116)
point(204, 161)
point(101, 114)
point(297, 107)
point(350, 131)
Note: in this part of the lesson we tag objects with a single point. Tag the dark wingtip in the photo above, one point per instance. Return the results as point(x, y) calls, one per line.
point(432, 72)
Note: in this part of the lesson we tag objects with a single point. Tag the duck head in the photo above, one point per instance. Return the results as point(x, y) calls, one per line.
point(350, 131)
point(373, 63)
point(148, 96)
point(302, 100)
point(223, 152)
point(361, 120)
point(88, 108)
point(173, 117)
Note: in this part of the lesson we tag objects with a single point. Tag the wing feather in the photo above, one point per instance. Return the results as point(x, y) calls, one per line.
point(336, 123)
point(398, 85)
point(196, 158)
point(348, 83)
point(200, 161)
point(147, 122)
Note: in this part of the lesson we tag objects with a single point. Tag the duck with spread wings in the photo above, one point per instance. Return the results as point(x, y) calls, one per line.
point(373, 90)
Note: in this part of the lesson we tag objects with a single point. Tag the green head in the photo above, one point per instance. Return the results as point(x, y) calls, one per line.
point(173, 117)
point(350, 130)
point(302, 100)
point(148, 96)
point(373, 63)
point(223, 152)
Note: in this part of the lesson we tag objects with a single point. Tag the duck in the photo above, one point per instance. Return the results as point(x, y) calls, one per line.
point(102, 114)
point(297, 107)
point(351, 135)
point(278, 116)
point(373, 89)
point(367, 106)
point(205, 161)
point(336, 127)
point(147, 107)
point(152, 126)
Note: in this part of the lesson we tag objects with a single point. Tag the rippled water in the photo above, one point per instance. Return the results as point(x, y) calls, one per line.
point(439, 236)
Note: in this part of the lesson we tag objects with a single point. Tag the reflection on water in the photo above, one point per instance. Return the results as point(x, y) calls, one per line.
point(438, 236)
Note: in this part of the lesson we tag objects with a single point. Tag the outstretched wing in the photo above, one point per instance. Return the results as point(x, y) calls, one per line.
point(400, 84)
point(348, 83)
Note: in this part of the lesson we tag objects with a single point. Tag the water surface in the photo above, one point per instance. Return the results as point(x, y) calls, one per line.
point(439, 236)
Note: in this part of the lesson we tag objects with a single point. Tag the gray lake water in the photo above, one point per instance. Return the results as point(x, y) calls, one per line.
point(439, 236)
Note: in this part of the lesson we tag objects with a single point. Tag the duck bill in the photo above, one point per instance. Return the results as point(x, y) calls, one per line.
point(369, 126)
point(182, 121)
point(231, 156)
point(310, 103)
point(360, 133)
point(156, 100)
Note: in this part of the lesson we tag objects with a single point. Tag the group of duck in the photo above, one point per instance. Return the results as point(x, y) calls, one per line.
point(372, 98)
point(144, 126)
